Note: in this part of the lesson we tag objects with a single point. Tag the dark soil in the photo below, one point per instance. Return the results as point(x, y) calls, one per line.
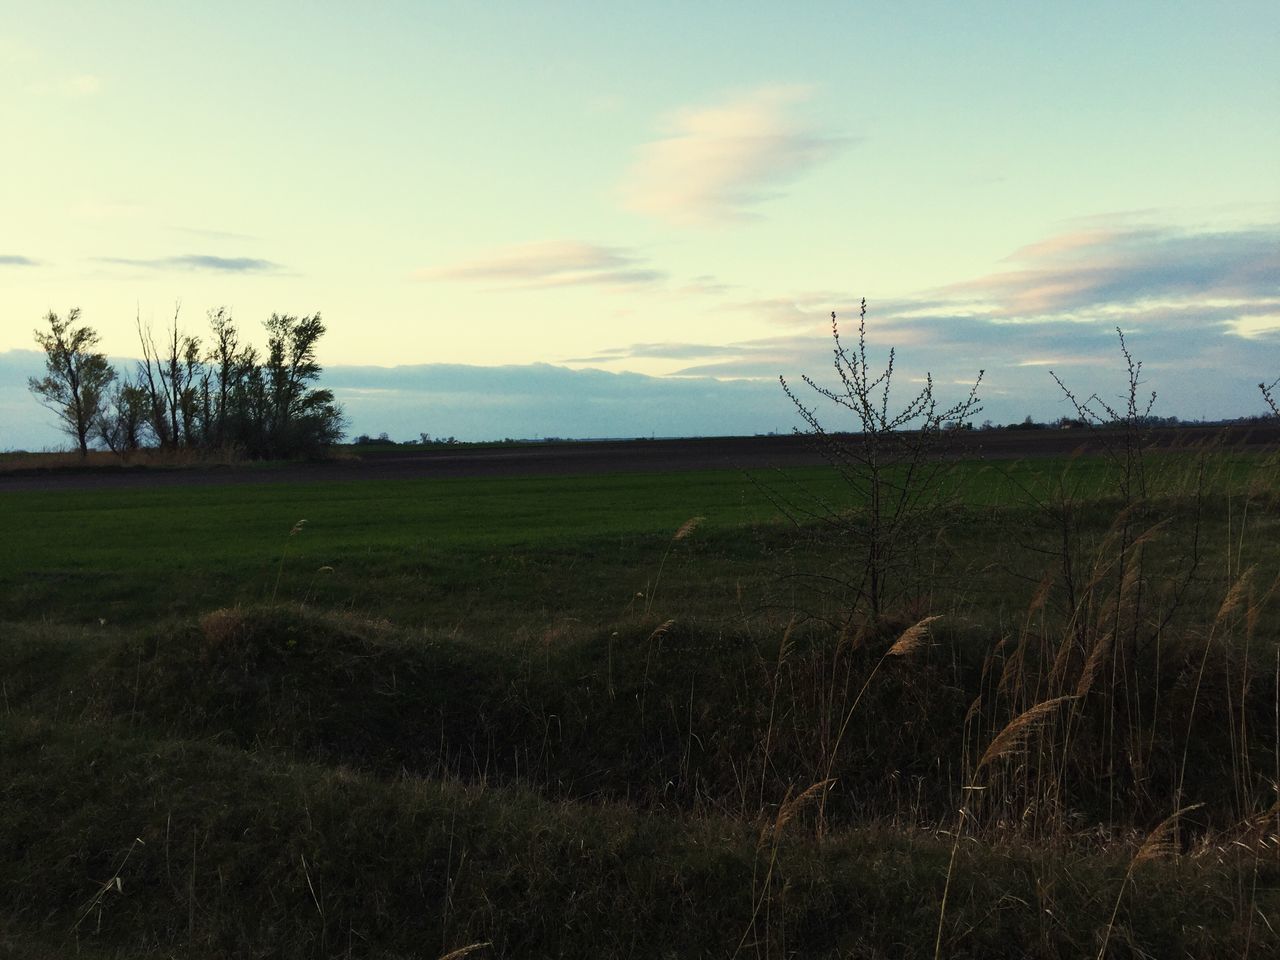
point(587, 457)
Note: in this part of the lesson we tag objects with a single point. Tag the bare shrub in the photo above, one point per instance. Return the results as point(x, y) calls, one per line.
point(888, 462)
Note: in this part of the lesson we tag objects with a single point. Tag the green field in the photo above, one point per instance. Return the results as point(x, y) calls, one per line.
point(527, 714)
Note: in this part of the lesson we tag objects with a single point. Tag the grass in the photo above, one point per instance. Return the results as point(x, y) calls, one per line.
point(335, 862)
point(405, 549)
point(413, 549)
point(555, 717)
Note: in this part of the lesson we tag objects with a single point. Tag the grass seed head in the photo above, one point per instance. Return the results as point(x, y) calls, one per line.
point(1234, 597)
point(793, 805)
point(688, 527)
point(660, 631)
point(465, 951)
point(1093, 664)
point(1159, 842)
point(1015, 733)
point(912, 638)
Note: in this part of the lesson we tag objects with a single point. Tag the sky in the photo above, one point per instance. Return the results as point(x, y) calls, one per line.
point(586, 219)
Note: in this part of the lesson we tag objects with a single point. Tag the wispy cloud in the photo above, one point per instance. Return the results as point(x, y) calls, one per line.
point(660, 351)
point(1202, 308)
point(705, 285)
point(1133, 273)
point(1207, 281)
point(552, 263)
point(716, 164)
point(756, 359)
point(14, 260)
point(199, 261)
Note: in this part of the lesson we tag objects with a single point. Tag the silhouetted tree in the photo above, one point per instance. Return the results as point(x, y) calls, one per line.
point(124, 419)
point(303, 419)
point(170, 374)
point(889, 467)
point(1132, 422)
point(226, 362)
point(1269, 395)
point(77, 376)
point(233, 396)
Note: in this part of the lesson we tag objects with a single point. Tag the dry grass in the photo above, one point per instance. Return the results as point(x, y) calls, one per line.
point(1158, 843)
point(466, 951)
point(1015, 733)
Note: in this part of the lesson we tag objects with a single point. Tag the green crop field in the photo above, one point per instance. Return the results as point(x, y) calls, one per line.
point(646, 715)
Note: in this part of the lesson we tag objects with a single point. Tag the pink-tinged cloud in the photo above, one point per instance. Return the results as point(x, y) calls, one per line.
point(1062, 245)
point(1123, 272)
point(551, 263)
point(716, 164)
point(1180, 294)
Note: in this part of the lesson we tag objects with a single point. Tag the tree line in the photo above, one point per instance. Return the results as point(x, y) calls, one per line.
point(219, 393)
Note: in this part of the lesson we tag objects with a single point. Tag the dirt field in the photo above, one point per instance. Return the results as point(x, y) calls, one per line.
point(568, 458)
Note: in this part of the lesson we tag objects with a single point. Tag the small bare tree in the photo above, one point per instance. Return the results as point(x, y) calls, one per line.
point(1133, 422)
point(889, 464)
point(1269, 395)
point(77, 376)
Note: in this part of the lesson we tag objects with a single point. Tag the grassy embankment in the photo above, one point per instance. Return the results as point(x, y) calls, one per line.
point(522, 713)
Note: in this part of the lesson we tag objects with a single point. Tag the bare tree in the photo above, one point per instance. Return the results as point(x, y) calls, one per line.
point(1269, 394)
point(169, 373)
point(888, 464)
point(1133, 423)
point(77, 376)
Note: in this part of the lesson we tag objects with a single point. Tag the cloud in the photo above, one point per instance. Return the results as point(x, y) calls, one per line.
point(717, 163)
point(705, 285)
point(551, 263)
point(756, 359)
point(1183, 290)
point(660, 351)
point(14, 260)
point(199, 261)
point(1132, 273)
point(539, 400)
point(1201, 308)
